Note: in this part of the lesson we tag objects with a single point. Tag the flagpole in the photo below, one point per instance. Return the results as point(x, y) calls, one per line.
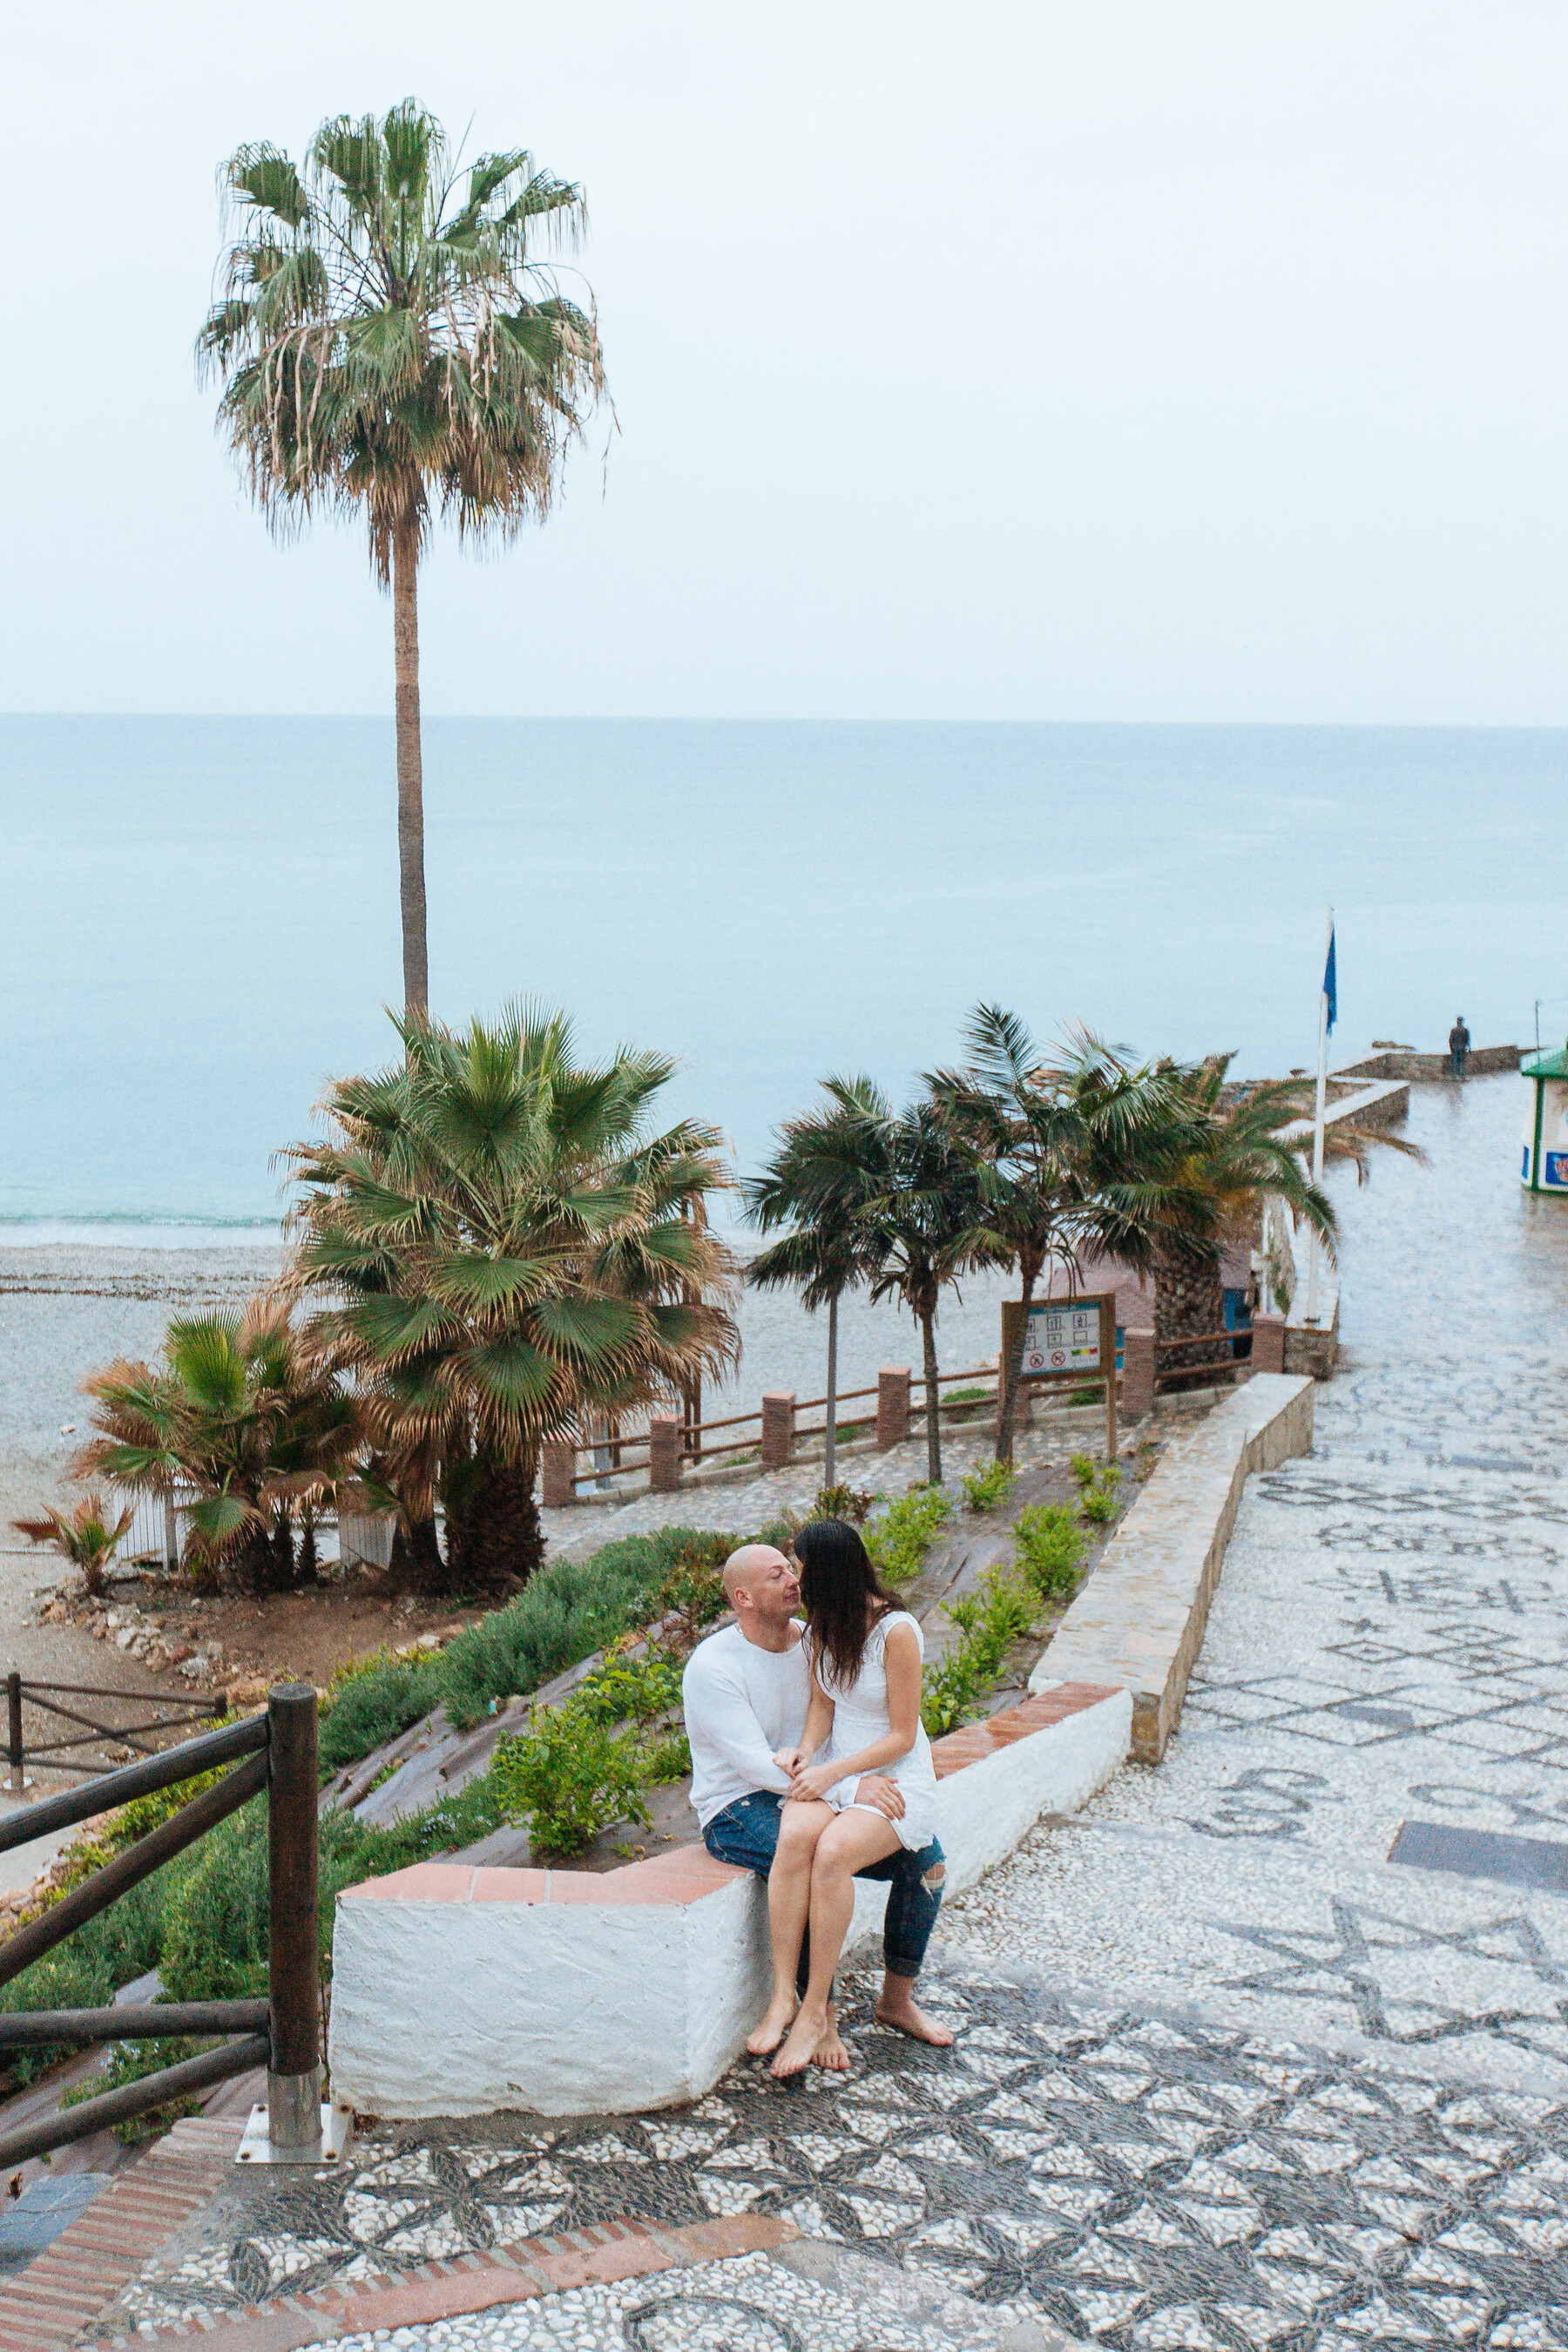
point(1317, 1115)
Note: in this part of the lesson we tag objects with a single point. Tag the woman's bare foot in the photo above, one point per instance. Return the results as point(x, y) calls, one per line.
point(900, 2011)
point(801, 2047)
point(830, 2054)
point(773, 2027)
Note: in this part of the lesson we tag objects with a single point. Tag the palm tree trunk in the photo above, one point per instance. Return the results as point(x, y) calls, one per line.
point(933, 1408)
point(1189, 1300)
point(831, 1462)
point(1013, 1371)
point(410, 772)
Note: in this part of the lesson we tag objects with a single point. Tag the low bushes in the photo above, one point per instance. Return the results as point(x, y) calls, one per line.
point(990, 1620)
point(1049, 1546)
point(984, 1489)
point(571, 1608)
point(900, 1540)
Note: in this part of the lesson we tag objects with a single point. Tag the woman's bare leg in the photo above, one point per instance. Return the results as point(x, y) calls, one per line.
point(789, 1900)
point(849, 1843)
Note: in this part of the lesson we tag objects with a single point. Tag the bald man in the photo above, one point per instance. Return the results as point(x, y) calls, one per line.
point(746, 1690)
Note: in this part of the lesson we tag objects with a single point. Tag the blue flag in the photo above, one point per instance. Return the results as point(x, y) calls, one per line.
point(1330, 989)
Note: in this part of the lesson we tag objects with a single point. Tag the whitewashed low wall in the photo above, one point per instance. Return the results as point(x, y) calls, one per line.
point(461, 1990)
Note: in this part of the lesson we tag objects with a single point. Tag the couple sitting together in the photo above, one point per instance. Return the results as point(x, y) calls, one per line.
point(811, 1767)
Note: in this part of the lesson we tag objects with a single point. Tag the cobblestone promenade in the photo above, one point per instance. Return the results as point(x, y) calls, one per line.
point(1226, 2076)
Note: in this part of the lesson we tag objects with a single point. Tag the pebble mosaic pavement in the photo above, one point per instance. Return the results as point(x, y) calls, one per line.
point(1225, 2077)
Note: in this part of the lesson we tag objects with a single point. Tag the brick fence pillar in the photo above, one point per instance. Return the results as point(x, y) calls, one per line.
point(778, 1428)
point(560, 1466)
point(663, 1454)
point(1136, 1374)
point(892, 1406)
point(1268, 1343)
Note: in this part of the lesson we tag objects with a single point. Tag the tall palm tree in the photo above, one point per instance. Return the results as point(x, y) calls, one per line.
point(387, 345)
point(818, 1183)
point(923, 1215)
point(1073, 1157)
point(236, 1413)
point(503, 1246)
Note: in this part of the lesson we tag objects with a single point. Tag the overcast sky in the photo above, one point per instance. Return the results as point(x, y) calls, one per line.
point(1116, 359)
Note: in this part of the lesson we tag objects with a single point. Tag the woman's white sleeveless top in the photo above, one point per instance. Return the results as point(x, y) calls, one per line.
point(860, 1717)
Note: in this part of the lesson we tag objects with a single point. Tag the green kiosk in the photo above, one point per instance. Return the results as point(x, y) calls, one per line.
point(1545, 1165)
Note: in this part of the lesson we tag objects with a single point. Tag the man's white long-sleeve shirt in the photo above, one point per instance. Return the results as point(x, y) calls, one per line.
point(741, 1703)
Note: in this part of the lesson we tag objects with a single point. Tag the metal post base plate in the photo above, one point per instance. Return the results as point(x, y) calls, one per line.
point(337, 2131)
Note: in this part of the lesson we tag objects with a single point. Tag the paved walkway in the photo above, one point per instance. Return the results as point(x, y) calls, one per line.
point(1226, 2076)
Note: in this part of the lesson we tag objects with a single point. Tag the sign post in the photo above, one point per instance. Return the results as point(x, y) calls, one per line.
point(1068, 1339)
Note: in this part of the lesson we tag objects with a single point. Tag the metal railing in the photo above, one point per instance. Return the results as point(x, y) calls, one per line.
point(160, 1714)
point(275, 1752)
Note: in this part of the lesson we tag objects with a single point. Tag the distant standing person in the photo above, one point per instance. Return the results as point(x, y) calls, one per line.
point(1458, 1047)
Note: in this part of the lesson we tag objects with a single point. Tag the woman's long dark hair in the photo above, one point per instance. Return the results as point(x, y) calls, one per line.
point(840, 1591)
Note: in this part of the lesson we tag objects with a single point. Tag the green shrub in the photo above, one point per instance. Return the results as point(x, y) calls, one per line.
point(630, 1690)
point(900, 1540)
point(565, 1612)
point(373, 1701)
point(1102, 1500)
point(855, 1504)
point(984, 1489)
point(1084, 1469)
point(131, 2061)
point(668, 1758)
point(991, 1619)
point(572, 1777)
point(1050, 1548)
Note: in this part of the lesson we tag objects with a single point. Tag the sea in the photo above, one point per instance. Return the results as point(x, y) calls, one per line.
point(201, 926)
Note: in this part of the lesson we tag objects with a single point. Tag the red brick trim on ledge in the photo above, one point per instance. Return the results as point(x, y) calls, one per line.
point(687, 1872)
point(599, 2254)
point(61, 2291)
point(975, 1741)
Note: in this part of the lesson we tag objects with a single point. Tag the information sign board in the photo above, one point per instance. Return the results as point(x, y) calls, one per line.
point(1063, 1336)
point(1068, 1339)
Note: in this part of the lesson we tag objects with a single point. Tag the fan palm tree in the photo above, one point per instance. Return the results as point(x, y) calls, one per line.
point(1244, 1144)
point(1074, 1156)
point(817, 1184)
point(236, 1413)
point(389, 344)
point(503, 1246)
point(87, 1538)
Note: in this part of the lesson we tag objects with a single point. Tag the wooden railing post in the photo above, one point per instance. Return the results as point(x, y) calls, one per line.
point(294, 1964)
point(18, 1781)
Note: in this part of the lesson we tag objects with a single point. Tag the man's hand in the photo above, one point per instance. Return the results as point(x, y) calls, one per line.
point(814, 1781)
point(884, 1795)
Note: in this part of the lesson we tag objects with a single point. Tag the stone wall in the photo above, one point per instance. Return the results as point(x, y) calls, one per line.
point(1138, 1620)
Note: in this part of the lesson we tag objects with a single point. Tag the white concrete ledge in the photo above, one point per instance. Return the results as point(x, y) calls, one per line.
point(461, 1991)
point(1138, 1620)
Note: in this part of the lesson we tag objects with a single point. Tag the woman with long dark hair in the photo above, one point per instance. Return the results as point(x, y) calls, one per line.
point(866, 1654)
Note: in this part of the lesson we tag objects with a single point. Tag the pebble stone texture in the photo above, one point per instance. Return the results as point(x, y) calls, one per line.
point(1225, 2077)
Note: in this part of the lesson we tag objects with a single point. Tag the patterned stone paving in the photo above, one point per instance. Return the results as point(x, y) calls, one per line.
point(1143, 2181)
point(1225, 2075)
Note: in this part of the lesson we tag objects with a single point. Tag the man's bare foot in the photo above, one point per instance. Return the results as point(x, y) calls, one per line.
point(830, 2052)
point(801, 2047)
point(773, 2027)
point(904, 2015)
